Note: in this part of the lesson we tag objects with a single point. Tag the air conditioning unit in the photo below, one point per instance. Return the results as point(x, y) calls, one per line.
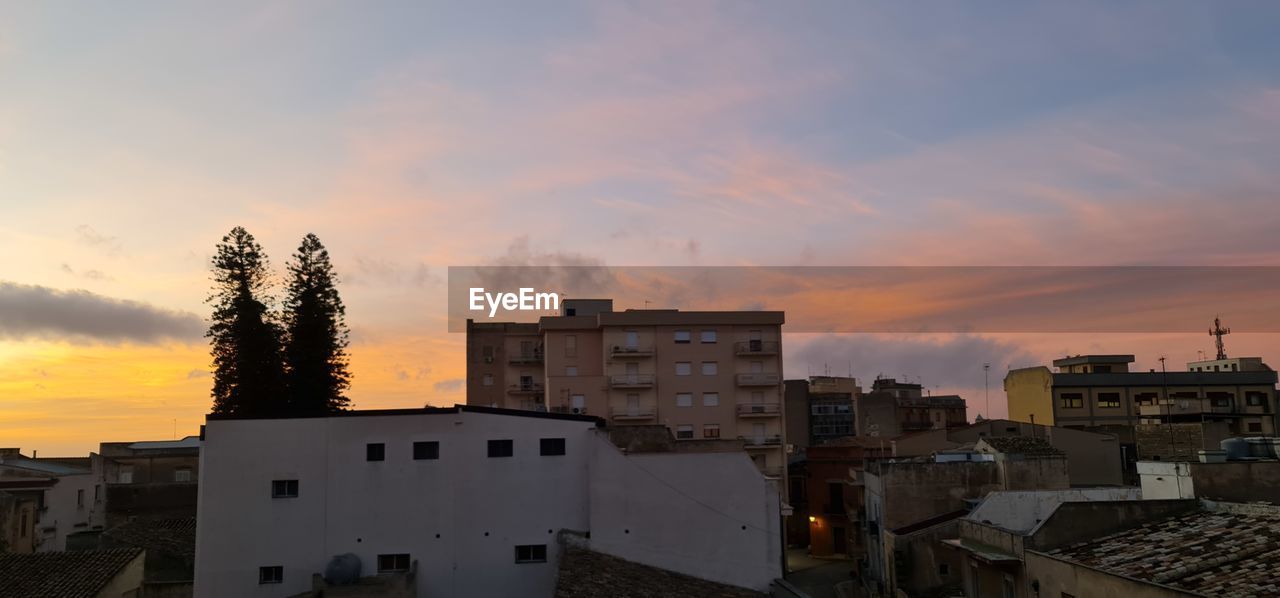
point(579, 410)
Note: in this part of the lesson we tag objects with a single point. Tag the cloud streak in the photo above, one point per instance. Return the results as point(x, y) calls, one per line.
point(32, 311)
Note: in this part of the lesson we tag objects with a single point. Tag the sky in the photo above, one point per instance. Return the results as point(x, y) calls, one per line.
point(415, 136)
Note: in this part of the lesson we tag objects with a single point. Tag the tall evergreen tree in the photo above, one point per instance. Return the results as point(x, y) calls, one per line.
point(248, 365)
point(316, 333)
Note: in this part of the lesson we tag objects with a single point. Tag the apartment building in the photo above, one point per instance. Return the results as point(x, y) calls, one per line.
point(893, 408)
point(1099, 392)
point(820, 409)
point(465, 501)
point(53, 499)
point(704, 375)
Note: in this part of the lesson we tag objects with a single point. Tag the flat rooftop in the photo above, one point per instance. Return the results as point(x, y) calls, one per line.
point(421, 411)
point(1091, 359)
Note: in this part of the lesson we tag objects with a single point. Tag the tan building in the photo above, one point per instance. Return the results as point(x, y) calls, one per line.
point(703, 375)
point(1100, 393)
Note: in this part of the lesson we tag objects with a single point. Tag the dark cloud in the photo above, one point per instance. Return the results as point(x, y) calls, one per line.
point(28, 311)
point(954, 361)
point(573, 274)
point(451, 385)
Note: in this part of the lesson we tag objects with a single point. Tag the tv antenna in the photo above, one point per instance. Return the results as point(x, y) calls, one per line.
point(1218, 332)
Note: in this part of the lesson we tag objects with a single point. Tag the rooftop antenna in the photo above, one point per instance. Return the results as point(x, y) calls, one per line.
point(1218, 332)
point(646, 303)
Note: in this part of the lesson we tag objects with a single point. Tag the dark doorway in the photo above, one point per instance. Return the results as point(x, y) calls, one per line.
point(838, 541)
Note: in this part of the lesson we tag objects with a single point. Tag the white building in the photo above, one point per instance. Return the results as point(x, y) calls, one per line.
point(473, 496)
point(68, 495)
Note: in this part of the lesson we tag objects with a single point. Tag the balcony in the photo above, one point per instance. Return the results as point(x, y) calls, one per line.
point(761, 442)
point(771, 472)
point(759, 410)
point(757, 379)
point(630, 351)
point(757, 348)
point(533, 388)
point(632, 413)
point(631, 381)
point(534, 358)
point(568, 409)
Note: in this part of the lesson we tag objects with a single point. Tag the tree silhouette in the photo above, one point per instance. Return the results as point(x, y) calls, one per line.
point(248, 367)
point(316, 333)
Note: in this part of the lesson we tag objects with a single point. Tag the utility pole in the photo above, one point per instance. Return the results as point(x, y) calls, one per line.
point(1164, 381)
point(986, 389)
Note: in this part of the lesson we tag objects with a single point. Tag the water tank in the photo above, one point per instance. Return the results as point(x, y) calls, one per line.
point(1261, 448)
point(1236, 448)
point(342, 570)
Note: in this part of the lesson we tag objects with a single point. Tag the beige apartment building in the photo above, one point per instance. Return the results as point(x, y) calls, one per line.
point(703, 375)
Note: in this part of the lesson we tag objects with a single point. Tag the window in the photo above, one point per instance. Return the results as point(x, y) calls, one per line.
point(711, 431)
point(486, 354)
point(272, 574)
point(1221, 399)
point(708, 336)
point(1145, 398)
point(682, 337)
point(571, 370)
point(684, 399)
point(393, 563)
point(710, 399)
point(1102, 369)
point(1071, 400)
point(375, 451)
point(944, 570)
point(550, 447)
point(426, 449)
point(126, 475)
point(501, 448)
point(578, 402)
point(97, 493)
point(80, 497)
point(531, 553)
point(1109, 399)
point(684, 432)
point(684, 368)
point(570, 345)
point(487, 380)
point(1255, 398)
point(182, 474)
point(709, 368)
point(284, 488)
point(1255, 426)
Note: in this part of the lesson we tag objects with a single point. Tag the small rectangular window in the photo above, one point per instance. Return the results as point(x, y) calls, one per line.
point(501, 448)
point(571, 370)
point(393, 563)
point(708, 336)
point(272, 574)
point(426, 449)
point(711, 431)
point(375, 451)
point(487, 380)
point(709, 368)
point(684, 399)
point(1071, 400)
point(683, 337)
point(550, 447)
point(1108, 400)
point(531, 553)
point(684, 432)
point(182, 474)
point(1255, 426)
point(570, 345)
point(710, 399)
point(284, 488)
point(80, 497)
point(1255, 398)
point(684, 368)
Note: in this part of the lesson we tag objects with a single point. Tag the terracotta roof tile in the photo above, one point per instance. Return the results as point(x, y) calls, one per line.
point(61, 574)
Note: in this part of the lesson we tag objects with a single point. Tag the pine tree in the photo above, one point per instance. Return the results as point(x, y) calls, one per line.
point(316, 332)
point(248, 365)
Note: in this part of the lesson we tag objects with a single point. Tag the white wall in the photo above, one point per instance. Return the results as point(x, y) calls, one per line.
point(1163, 480)
point(709, 515)
point(347, 504)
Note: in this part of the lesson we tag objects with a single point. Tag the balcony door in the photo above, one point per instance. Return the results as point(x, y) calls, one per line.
point(757, 433)
point(633, 372)
point(633, 340)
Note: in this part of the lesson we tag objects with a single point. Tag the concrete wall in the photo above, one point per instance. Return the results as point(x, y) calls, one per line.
point(920, 557)
point(461, 516)
point(1029, 394)
point(1162, 480)
point(710, 515)
point(1233, 481)
point(1057, 577)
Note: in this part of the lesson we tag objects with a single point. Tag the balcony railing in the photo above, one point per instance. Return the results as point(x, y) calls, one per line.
point(632, 413)
point(631, 351)
point(761, 441)
point(759, 410)
point(533, 358)
point(757, 347)
point(533, 388)
point(631, 381)
point(757, 379)
point(568, 409)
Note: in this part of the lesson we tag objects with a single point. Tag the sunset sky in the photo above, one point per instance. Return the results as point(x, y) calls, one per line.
point(414, 136)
